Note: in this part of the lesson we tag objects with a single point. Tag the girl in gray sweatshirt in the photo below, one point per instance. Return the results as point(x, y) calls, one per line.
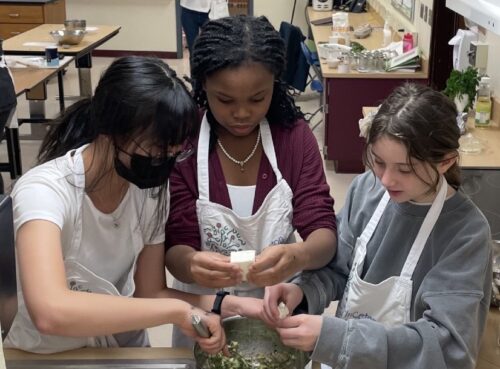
point(413, 268)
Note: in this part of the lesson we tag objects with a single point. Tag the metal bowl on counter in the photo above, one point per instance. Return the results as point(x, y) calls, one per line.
point(71, 24)
point(254, 345)
point(68, 37)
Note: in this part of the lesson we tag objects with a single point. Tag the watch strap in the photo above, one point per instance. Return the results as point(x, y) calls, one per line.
point(216, 309)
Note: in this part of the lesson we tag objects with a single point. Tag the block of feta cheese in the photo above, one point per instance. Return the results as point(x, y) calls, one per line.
point(283, 310)
point(243, 259)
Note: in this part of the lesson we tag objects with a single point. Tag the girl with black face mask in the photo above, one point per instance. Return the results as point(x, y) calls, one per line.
point(91, 217)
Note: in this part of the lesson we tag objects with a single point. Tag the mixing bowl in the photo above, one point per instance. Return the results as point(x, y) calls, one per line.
point(256, 341)
point(68, 37)
point(71, 24)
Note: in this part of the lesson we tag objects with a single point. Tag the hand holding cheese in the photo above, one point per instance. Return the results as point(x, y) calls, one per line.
point(283, 310)
point(243, 259)
point(275, 264)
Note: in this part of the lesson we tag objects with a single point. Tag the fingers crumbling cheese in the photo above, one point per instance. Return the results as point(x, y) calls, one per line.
point(243, 259)
point(283, 310)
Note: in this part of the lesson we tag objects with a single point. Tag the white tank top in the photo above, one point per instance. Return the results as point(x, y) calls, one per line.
point(241, 199)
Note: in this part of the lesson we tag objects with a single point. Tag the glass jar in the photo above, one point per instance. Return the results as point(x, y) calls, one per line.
point(363, 62)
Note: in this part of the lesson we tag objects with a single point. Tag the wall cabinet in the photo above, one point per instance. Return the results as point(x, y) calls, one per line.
point(18, 17)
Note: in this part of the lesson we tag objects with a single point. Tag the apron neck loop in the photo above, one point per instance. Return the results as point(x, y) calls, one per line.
point(425, 230)
point(203, 155)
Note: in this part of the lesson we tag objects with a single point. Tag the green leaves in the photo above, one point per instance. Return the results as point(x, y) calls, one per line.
point(275, 360)
point(462, 83)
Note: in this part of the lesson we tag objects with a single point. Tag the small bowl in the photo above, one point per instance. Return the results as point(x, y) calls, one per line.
point(71, 24)
point(68, 37)
point(333, 63)
point(328, 50)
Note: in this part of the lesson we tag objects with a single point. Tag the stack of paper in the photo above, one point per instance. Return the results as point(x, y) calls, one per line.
point(408, 61)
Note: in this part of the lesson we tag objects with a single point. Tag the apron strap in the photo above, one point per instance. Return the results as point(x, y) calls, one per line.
point(268, 146)
point(202, 159)
point(203, 153)
point(75, 159)
point(425, 230)
point(360, 252)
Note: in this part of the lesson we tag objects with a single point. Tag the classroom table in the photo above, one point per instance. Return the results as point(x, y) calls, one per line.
point(34, 41)
point(26, 81)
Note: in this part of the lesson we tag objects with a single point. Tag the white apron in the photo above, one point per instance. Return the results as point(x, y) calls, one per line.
point(23, 333)
point(389, 301)
point(223, 231)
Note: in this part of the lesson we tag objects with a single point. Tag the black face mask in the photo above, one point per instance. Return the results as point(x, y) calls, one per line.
point(145, 171)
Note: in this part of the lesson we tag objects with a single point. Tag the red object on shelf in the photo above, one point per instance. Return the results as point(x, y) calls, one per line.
point(407, 42)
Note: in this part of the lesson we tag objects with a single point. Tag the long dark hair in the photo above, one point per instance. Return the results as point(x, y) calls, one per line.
point(425, 122)
point(232, 41)
point(136, 96)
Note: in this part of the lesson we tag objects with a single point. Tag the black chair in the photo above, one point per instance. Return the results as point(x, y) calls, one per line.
point(8, 286)
point(8, 103)
point(297, 69)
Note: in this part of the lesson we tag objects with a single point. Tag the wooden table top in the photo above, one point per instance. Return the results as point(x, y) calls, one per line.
point(23, 43)
point(27, 78)
point(152, 353)
point(321, 33)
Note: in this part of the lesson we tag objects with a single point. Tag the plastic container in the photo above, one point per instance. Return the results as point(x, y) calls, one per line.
point(387, 35)
point(407, 42)
point(483, 103)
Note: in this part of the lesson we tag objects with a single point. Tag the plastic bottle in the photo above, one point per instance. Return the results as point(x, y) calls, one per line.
point(483, 103)
point(387, 35)
point(407, 42)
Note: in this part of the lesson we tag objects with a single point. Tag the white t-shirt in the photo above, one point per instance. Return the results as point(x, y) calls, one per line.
point(202, 6)
point(242, 198)
point(48, 192)
point(54, 192)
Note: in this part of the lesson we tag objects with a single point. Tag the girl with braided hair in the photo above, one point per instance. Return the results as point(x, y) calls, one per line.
point(257, 175)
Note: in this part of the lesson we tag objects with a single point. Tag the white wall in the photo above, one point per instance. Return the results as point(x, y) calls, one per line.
point(147, 25)
point(398, 21)
point(493, 58)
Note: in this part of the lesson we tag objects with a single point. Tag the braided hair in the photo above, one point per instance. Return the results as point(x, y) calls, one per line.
point(233, 41)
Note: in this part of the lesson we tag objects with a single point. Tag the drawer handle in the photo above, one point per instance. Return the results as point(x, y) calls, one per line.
point(14, 15)
point(15, 33)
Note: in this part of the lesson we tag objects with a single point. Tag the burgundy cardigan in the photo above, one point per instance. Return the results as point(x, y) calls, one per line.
point(299, 161)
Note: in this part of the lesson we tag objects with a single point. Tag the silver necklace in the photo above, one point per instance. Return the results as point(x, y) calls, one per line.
point(241, 163)
point(117, 218)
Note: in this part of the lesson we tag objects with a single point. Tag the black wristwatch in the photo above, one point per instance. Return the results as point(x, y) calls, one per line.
point(218, 301)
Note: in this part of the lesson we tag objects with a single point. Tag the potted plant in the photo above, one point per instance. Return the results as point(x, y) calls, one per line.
point(461, 87)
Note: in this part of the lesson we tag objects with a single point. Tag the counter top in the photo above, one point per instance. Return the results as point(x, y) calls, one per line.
point(489, 355)
point(136, 353)
point(132, 353)
point(27, 1)
point(321, 33)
